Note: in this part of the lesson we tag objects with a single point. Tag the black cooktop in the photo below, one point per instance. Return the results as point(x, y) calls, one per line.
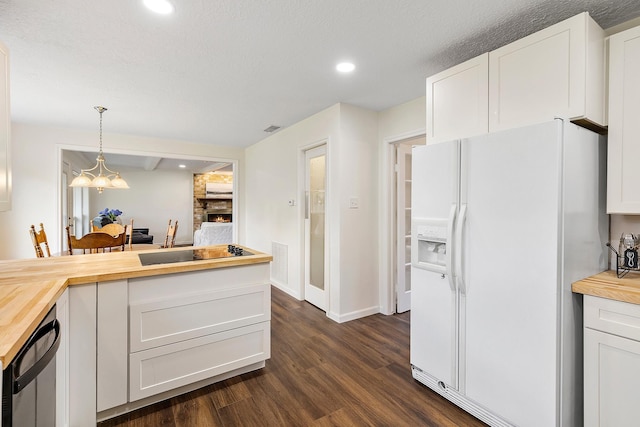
point(170, 257)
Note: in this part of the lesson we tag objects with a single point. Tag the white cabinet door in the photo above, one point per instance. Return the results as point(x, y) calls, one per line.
point(62, 362)
point(82, 355)
point(112, 356)
point(611, 378)
point(555, 72)
point(623, 173)
point(5, 126)
point(457, 101)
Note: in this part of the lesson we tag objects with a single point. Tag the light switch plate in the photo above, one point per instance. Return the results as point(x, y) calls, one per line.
point(353, 203)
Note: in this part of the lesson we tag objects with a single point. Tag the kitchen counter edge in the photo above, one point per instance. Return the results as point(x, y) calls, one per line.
point(30, 287)
point(608, 285)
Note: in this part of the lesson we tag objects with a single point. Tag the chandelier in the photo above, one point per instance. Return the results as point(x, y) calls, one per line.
point(105, 178)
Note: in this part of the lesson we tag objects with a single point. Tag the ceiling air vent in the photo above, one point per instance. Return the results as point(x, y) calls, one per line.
point(272, 129)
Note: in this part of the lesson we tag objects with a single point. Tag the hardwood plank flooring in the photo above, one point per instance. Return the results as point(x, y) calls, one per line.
point(320, 374)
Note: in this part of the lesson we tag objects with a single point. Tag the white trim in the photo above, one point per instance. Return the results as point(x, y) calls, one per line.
point(386, 254)
point(341, 318)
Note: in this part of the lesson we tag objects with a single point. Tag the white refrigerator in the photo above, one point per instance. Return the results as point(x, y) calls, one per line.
point(502, 225)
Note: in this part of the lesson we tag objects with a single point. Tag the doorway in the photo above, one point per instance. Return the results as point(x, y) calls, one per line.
point(314, 228)
point(402, 226)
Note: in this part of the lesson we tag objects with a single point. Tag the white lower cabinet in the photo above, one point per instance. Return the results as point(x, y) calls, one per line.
point(62, 362)
point(175, 365)
point(137, 341)
point(82, 355)
point(611, 363)
point(200, 329)
point(112, 349)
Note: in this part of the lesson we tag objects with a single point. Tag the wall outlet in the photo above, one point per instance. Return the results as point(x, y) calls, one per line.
point(353, 203)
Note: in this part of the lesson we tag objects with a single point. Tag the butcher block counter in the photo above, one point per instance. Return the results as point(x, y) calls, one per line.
point(30, 287)
point(608, 285)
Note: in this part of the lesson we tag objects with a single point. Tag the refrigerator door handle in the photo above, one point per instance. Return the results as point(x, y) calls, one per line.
point(450, 232)
point(458, 246)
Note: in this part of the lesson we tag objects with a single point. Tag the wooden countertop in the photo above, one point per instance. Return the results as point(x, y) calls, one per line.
point(607, 285)
point(30, 287)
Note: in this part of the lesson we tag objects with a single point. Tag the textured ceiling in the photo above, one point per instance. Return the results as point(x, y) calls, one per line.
point(221, 71)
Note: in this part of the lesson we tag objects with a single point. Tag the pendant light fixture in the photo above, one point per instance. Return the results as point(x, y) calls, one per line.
point(103, 179)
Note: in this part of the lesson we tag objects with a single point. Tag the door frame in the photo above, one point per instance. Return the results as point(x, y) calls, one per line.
point(60, 148)
point(301, 215)
point(387, 226)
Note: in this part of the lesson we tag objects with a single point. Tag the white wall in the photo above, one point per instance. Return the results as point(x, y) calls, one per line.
point(357, 177)
point(274, 166)
point(621, 224)
point(36, 167)
point(351, 234)
point(154, 197)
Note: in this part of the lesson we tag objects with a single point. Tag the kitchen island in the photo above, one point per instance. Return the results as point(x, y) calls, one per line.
point(134, 334)
point(611, 348)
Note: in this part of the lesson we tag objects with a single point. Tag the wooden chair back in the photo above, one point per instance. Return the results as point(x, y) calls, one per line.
point(129, 234)
point(96, 242)
point(112, 229)
point(39, 240)
point(169, 241)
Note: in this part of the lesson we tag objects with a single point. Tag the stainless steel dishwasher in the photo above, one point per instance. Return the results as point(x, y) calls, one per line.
point(29, 382)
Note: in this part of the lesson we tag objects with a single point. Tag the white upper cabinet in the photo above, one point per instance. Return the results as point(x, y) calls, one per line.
point(457, 101)
point(5, 133)
point(556, 72)
point(623, 171)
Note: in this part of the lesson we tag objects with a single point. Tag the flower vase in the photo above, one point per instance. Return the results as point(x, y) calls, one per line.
point(100, 221)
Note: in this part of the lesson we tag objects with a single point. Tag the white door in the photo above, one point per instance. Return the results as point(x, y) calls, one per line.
point(403, 228)
point(315, 188)
point(510, 190)
point(434, 300)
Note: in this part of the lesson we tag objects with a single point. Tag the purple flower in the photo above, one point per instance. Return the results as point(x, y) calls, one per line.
point(111, 213)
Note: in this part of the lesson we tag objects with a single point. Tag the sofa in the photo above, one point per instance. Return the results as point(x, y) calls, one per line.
point(140, 235)
point(213, 233)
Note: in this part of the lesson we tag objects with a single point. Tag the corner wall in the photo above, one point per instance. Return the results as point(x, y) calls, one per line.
point(277, 176)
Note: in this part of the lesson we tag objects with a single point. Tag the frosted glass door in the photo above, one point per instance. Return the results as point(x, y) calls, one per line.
point(315, 226)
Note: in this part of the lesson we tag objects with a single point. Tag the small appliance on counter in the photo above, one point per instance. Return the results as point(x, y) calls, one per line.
point(627, 254)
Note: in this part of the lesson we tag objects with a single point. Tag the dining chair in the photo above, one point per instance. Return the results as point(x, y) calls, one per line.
point(39, 240)
point(169, 241)
point(96, 242)
point(129, 234)
point(112, 229)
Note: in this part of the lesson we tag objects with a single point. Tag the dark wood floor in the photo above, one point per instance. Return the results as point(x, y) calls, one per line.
point(321, 373)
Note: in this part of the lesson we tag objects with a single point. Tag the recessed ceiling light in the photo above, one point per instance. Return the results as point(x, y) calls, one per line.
point(162, 7)
point(182, 166)
point(345, 67)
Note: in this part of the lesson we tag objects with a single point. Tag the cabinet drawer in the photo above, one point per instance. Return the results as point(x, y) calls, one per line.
point(168, 321)
point(165, 368)
point(614, 317)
